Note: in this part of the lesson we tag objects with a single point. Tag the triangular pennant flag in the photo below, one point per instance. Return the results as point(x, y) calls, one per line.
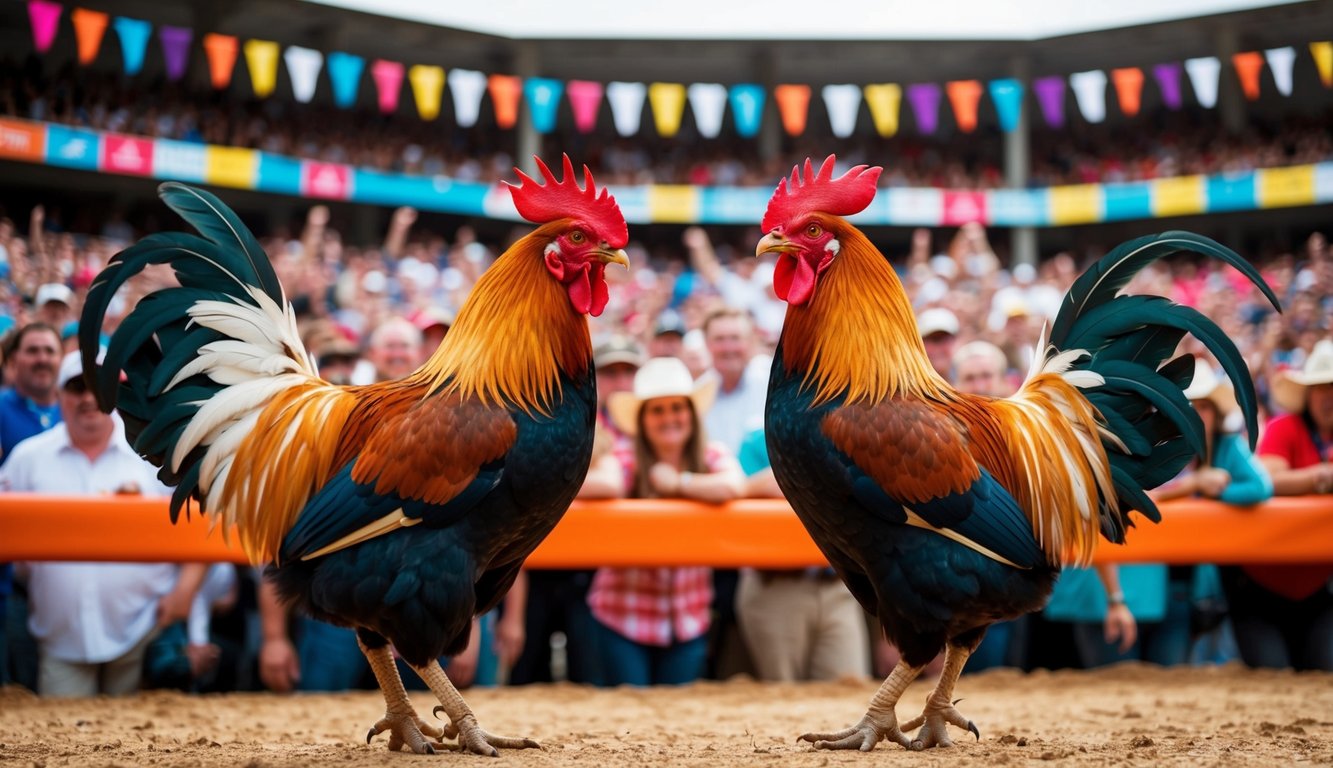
point(964, 96)
point(221, 51)
point(505, 91)
point(388, 77)
point(1090, 92)
point(925, 101)
point(708, 102)
point(1323, 61)
point(747, 108)
point(427, 82)
point(626, 105)
point(261, 56)
point(1050, 92)
point(1168, 80)
point(793, 106)
point(45, 19)
point(668, 101)
point(1128, 83)
point(133, 34)
point(843, 104)
point(585, 101)
point(884, 100)
point(1007, 93)
point(1280, 61)
point(467, 87)
point(543, 96)
point(345, 71)
point(89, 27)
point(1204, 72)
point(303, 65)
point(175, 49)
point(1248, 65)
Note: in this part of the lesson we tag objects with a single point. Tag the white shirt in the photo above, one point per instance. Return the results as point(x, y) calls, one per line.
point(87, 612)
point(739, 412)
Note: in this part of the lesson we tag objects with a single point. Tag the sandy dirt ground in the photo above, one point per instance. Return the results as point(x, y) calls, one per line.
point(1125, 716)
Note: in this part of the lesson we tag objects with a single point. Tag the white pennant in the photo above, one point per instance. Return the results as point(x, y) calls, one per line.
point(708, 102)
point(1090, 90)
point(303, 65)
point(1280, 61)
point(467, 87)
point(1203, 73)
point(843, 103)
point(626, 105)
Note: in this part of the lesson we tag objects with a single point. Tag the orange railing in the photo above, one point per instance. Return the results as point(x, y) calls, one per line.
point(754, 532)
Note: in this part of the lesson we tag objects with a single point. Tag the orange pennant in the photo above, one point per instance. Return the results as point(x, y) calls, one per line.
point(221, 50)
point(964, 96)
point(505, 90)
point(794, 106)
point(1128, 89)
point(1248, 65)
point(89, 27)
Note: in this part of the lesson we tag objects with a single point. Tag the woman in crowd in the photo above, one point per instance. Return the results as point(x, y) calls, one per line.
point(652, 622)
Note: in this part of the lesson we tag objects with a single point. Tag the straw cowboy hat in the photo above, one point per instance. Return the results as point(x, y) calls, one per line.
point(1207, 385)
point(1289, 386)
point(660, 377)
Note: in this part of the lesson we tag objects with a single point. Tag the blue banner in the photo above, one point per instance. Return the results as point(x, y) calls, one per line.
point(427, 193)
point(747, 108)
point(543, 95)
point(134, 34)
point(72, 147)
point(1127, 201)
point(1019, 207)
point(279, 173)
point(1008, 97)
point(345, 73)
point(179, 160)
point(1232, 192)
point(733, 205)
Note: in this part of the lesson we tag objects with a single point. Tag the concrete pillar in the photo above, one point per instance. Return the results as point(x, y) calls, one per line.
point(528, 141)
point(1231, 105)
point(770, 130)
point(1018, 164)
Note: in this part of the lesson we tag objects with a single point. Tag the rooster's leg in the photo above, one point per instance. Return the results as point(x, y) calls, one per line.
point(880, 721)
point(400, 720)
point(464, 724)
point(939, 713)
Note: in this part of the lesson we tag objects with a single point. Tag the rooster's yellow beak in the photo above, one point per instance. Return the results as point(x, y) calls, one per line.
point(618, 256)
point(774, 241)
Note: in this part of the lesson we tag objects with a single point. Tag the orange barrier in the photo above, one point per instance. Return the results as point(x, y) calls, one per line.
point(658, 532)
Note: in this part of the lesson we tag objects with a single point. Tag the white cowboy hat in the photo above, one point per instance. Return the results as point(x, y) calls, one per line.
point(1207, 385)
point(1289, 386)
point(660, 377)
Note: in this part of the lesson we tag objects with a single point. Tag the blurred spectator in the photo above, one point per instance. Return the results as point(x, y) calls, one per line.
point(394, 350)
point(939, 332)
point(668, 336)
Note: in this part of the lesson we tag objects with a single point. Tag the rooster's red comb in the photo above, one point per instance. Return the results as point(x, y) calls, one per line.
point(849, 193)
point(542, 203)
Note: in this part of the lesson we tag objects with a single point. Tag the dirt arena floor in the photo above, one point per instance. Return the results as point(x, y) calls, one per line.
point(1126, 716)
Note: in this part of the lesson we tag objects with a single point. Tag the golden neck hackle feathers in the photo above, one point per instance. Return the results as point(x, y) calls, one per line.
point(858, 336)
point(515, 335)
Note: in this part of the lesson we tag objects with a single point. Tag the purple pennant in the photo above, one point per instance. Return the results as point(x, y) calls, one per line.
point(1168, 79)
point(1051, 96)
point(925, 100)
point(175, 49)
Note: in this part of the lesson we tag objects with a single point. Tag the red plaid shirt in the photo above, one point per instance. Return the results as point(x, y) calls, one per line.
point(655, 606)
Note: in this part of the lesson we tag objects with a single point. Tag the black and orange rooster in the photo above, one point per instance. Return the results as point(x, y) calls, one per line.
point(945, 512)
point(401, 509)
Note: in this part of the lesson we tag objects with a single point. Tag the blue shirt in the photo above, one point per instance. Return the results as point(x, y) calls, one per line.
point(21, 418)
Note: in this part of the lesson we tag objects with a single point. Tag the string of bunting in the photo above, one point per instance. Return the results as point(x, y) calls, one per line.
point(708, 102)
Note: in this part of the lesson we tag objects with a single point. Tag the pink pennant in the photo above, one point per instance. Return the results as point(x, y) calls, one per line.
point(45, 18)
point(585, 99)
point(389, 80)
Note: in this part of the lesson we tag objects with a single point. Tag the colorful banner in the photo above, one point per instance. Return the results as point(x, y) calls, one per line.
point(329, 181)
point(963, 206)
point(585, 101)
point(467, 87)
point(175, 49)
point(884, 100)
point(925, 101)
point(1090, 93)
point(72, 147)
point(1204, 72)
point(261, 56)
point(22, 140)
point(89, 28)
point(127, 154)
point(180, 160)
point(843, 104)
point(673, 203)
point(543, 97)
point(1131, 200)
point(1179, 196)
point(1050, 92)
point(1248, 64)
point(964, 97)
point(1076, 204)
point(708, 102)
point(1128, 83)
point(747, 108)
point(1285, 187)
point(1168, 81)
point(1280, 63)
point(793, 106)
point(668, 102)
point(221, 51)
point(45, 19)
point(427, 81)
point(303, 66)
point(345, 71)
point(388, 77)
point(1007, 94)
point(235, 167)
point(133, 34)
point(626, 105)
point(505, 91)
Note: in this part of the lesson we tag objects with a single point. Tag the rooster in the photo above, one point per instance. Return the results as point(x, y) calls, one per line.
point(945, 512)
point(401, 509)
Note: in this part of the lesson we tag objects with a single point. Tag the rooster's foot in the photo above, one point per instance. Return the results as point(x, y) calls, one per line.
point(935, 730)
point(408, 730)
point(472, 738)
point(863, 736)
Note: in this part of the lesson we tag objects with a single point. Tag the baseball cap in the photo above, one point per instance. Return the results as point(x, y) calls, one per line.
point(937, 320)
point(670, 322)
point(618, 349)
point(50, 292)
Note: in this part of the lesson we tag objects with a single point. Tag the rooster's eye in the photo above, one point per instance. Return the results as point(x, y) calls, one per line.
point(577, 237)
point(814, 230)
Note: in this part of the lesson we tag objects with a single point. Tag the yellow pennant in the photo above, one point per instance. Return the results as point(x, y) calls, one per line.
point(884, 100)
point(261, 56)
point(668, 100)
point(427, 87)
point(1323, 60)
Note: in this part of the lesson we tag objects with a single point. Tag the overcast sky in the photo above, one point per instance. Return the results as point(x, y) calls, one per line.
point(793, 19)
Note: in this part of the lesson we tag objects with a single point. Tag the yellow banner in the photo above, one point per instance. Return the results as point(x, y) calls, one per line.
point(427, 85)
point(884, 99)
point(1282, 187)
point(1076, 204)
point(1323, 61)
point(677, 203)
point(668, 100)
point(1178, 196)
point(231, 167)
point(261, 56)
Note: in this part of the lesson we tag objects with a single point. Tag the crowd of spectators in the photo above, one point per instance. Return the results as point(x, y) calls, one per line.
point(710, 316)
point(1155, 145)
